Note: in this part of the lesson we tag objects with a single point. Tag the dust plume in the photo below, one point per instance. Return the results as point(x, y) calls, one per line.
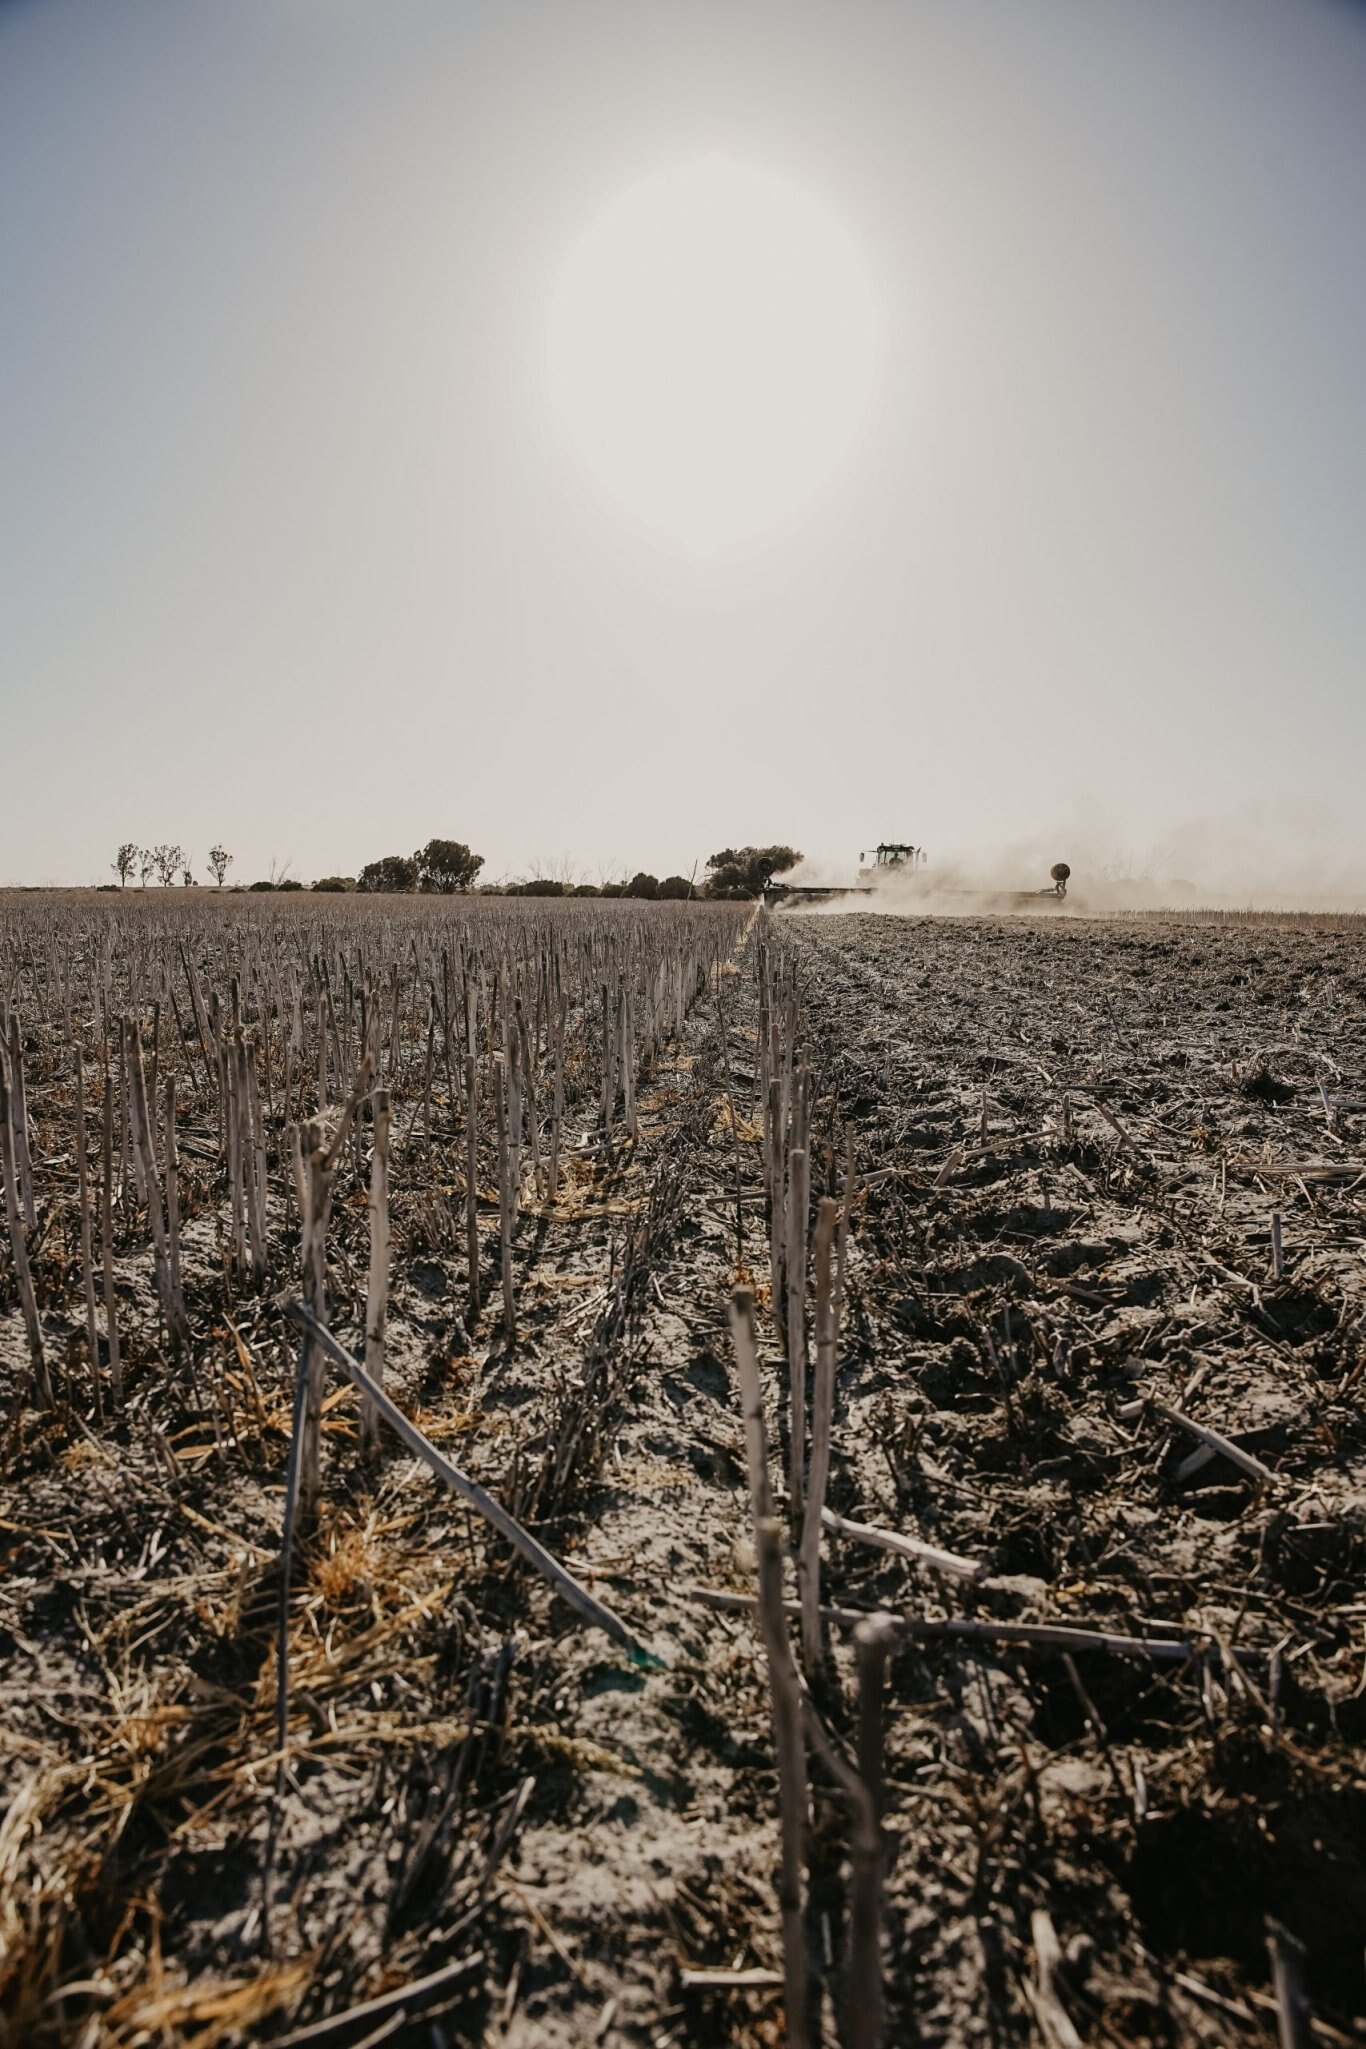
point(1259, 860)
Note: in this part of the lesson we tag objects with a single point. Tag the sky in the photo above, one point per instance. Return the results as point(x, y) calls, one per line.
point(302, 551)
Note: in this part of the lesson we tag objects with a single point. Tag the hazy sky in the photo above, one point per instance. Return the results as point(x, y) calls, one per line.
point(297, 552)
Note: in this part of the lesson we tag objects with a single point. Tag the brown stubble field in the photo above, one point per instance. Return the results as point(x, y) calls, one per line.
point(1069, 1141)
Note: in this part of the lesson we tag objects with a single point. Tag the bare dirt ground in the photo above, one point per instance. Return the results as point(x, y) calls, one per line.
point(1070, 1140)
point(1089, 1129)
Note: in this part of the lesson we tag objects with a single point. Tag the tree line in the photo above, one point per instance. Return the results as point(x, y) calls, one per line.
point(449, 868)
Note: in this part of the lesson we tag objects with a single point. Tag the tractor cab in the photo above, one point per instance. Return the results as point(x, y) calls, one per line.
point(890, 857)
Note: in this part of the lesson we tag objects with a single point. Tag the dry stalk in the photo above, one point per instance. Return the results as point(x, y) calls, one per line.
point(471, 1182)
point(822, 1419)
point(92, 1334)
point(377, 1291)
point(1295, 2028)
point(173, 1207)
point(145, 1153)
point(19, 1121)
point(505, 1197)
point(315, 1164)
point(929, 1555)
point(864, 2006)
point(111, 1319)
point(18, 1246)
point(774, 1161)
point(1037, 1635)
point(798, 1205)
point(789, 1744)
point(784, 1680)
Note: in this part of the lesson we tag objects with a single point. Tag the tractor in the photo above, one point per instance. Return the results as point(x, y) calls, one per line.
point(898, 860)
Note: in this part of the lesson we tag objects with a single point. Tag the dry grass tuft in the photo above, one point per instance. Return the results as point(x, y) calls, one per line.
point(204, 2013)
point(352, 1561)
point(749, 1130)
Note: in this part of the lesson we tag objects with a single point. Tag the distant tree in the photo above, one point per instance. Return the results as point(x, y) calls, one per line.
point(642, 885)
point(187, 877)
point(335, 883)
point(169, 861)
point(584, 889)
point(125, 861)
point(394, 874)
point(743, 871)
point(255, 888)
point(446, 866)
point(290, 882)
point(675, 886)
point(147, 862)
point(220, 860)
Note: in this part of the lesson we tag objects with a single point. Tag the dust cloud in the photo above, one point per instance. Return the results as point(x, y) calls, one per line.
point(1261, 861)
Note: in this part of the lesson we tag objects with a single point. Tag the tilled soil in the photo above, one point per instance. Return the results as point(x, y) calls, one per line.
point(1075, 1138)
point(1069, 1141)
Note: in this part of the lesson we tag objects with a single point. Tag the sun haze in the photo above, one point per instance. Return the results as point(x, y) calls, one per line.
point(538, 425)
point(713, 343)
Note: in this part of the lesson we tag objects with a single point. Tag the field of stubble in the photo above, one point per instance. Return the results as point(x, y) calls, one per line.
point(1069, 1143)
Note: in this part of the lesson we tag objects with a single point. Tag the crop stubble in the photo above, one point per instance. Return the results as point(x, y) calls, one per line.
point(1070, 1141)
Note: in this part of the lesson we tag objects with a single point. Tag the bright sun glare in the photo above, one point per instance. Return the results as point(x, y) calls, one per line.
point(713, 348)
